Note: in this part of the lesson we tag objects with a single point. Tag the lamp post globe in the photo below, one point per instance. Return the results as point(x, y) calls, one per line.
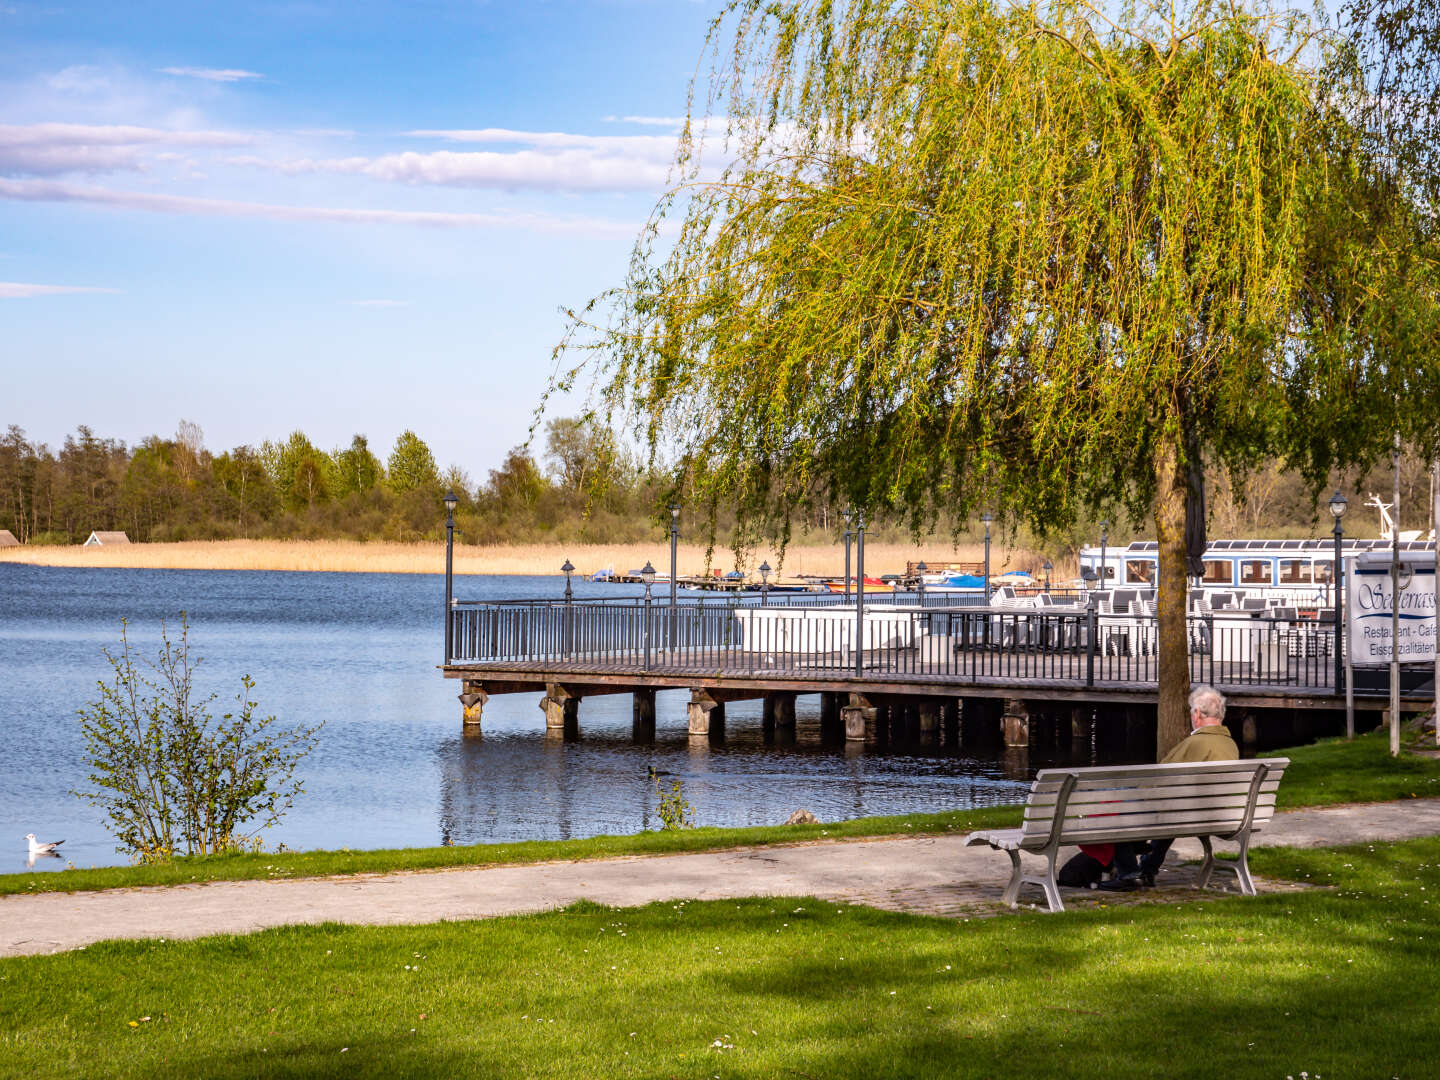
point(764, 583)
point(1047, 568)
point(920, 571)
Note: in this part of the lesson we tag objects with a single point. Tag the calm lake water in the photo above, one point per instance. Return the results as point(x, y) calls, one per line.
point(359, 651)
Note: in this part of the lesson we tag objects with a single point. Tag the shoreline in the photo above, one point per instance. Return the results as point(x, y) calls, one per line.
point(354, 556)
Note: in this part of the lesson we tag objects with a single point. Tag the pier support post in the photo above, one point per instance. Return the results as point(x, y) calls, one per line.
point(831, 726)
point(472, 707)
point(855, 714)
point(779, 710)
point(643, 709)
point(703, 711)
point(929, 716)
point(950, 711)
point(561, 708)
point(1017, 723)
point(1079, 724)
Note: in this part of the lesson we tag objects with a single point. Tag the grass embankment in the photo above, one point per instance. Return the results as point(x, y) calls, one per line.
point(1326, 773)
point(1325, 983)
point(429, 558)
point(272, 865)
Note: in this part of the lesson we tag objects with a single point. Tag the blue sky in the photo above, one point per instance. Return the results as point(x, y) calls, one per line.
point(341, 217)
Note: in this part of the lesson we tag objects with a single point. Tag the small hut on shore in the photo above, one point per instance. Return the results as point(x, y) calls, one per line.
point(7, 539)
point(106, 539)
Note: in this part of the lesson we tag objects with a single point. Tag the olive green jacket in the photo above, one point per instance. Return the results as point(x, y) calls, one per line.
point(1210, 743)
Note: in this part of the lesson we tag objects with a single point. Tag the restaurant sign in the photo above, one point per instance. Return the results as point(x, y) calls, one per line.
point(1371, 608)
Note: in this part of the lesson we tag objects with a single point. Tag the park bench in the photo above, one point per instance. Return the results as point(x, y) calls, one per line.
point(1226, 800)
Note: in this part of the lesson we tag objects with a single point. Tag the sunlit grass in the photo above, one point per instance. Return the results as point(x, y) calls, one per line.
point(1337, 982)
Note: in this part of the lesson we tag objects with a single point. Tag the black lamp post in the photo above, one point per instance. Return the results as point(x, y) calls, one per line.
point(846, 515)
point(1338, 504)
point(647, 575)
point(451, 501)
point(859, 591)
point(987, 518)
point(567, 570)
point(920, 570)
point(764, 584)
point(1047, 568)
point(1104, 569)
point(674, 543)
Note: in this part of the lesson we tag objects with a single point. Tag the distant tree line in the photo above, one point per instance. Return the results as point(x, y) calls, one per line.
point(173, 488)
point(584, 487)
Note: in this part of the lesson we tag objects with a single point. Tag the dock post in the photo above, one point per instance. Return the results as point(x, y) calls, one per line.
point(1080, 721)
point(1017, 723)
point(929, 716)
point(643, 707)
point(779, 710)
point(950, 713)
point(702, 711)
point(855, 714)
point(561, 708)
point(829, 711)
point(472, 706)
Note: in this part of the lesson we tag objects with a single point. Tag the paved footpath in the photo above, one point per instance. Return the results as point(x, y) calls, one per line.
point(925, 874)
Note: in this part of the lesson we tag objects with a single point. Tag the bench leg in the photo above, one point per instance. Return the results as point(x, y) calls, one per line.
point(1202, 880)
point(1052, 890)
point(1241, 869)
point(1012, 888)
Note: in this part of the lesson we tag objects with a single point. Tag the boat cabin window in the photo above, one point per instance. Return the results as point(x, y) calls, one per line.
point(1139, 572)
point(1219, 572)
point(1295, 572)
point(1323, 575)
point(1255, 572)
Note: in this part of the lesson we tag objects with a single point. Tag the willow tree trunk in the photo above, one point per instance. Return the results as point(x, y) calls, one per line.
point(1172, 711)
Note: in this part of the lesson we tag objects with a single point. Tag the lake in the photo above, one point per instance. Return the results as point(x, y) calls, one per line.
point(360, 652)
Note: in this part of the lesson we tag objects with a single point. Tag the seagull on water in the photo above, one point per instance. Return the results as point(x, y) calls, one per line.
point(37, 848)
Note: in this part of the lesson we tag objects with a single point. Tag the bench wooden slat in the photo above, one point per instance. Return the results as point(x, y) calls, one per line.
point(1221, 820)
point(1109, 778)
point(1099, 811)
point(1099, 796)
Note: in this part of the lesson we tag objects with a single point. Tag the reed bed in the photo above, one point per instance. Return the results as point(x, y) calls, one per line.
point(429, 558)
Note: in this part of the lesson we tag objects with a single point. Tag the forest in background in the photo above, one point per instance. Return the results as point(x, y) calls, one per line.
point(581, 487)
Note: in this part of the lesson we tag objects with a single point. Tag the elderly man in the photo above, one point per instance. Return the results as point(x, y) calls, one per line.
point(1137, 864)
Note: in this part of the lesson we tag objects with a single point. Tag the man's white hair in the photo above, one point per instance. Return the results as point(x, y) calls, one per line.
point(1208, 701)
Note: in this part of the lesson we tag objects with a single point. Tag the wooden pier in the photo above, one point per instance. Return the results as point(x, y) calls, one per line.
point(922, 663)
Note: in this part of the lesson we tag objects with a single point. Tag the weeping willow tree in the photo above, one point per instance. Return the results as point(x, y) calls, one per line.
point(971, 256)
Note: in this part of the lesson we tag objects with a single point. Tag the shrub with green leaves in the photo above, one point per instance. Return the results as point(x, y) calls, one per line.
point(171, 777)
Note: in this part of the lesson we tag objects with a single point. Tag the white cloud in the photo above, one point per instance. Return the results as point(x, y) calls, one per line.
point(223, 75)
point(80, 79)
point(654, 147)
point(378, 303)
point(18, 290)
point(676, 122)
point(52, 149)
point(53, 191)
point(325, 133)
point(544, 161)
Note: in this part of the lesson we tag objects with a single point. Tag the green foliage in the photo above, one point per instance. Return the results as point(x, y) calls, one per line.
point(356, 469)
point(412, 466)
point(973, 255)
point(674, 811)
point(300, 472)
point(173, 780)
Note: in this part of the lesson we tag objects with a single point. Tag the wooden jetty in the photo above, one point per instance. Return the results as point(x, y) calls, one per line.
point(928, 663)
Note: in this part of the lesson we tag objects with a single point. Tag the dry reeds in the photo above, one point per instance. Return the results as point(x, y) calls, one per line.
point(429, 558)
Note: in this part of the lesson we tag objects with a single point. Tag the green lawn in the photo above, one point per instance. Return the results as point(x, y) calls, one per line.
point(1333, 771)
point(1338, 982)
